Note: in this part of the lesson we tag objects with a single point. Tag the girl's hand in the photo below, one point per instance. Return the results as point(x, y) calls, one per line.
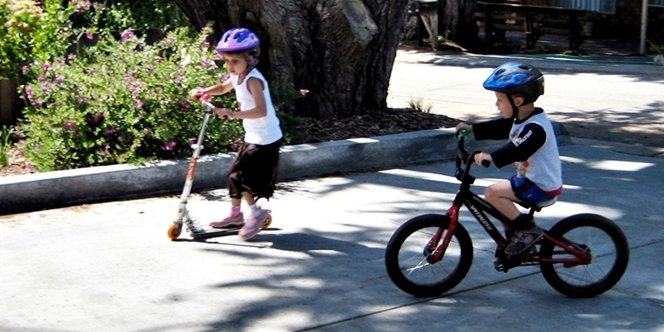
point(223, 112)
point(482, 156)
point(196, 93)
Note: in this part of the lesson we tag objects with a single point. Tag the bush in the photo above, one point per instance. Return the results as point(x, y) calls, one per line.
point(31, 32)
point(123, 101)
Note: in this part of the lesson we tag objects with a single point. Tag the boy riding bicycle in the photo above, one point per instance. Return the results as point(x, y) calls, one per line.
point(532, 147)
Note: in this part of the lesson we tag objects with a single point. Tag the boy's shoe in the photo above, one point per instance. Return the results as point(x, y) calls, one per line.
point(253, 225)
point(523, 240)
point(230, 221)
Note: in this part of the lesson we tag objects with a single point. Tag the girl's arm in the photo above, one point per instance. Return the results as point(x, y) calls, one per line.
point(255, 86)
point(217, 89)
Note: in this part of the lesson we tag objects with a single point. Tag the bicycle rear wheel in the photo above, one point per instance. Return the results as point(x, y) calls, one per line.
point(600, 237)
point(407, 252)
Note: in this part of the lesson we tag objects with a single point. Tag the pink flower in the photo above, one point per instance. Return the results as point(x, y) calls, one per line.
point(127, 35)
point(170, 146)
point(70, 125)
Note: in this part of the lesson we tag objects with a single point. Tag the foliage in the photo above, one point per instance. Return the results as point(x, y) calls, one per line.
point(5, 144)
point(142, 15)
point(122, 101)
point(32, 32)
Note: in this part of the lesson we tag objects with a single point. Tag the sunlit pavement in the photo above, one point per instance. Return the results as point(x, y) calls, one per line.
point(110, 267)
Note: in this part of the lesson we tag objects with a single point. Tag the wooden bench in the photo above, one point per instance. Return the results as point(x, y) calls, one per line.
point(534, 20)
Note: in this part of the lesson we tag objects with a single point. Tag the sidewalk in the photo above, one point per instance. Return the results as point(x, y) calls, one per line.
point(603, 98)
point(110, 266)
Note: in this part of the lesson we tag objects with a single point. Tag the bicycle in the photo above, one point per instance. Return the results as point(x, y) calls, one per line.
point(581, 256)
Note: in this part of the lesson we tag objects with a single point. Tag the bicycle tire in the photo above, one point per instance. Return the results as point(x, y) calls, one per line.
point(406, 259)
point(610, 256)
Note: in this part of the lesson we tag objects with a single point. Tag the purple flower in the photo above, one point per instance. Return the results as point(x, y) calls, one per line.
point(59, 80)
point(126, 35)
point(44, 67)
point(25, 69)
point(111, 131)
point(170, 146)
point(138, 103)
point(94, 119)
point(46, 86)
point(70, 125)
point(29, 93)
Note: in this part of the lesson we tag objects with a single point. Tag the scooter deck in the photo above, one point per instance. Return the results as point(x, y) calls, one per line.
point(217, 232)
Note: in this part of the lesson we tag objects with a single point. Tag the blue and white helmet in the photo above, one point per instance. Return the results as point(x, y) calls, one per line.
point(516, 78)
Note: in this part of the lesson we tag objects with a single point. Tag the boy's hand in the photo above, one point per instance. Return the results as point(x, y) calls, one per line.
point(463, 125)
point(482, 156)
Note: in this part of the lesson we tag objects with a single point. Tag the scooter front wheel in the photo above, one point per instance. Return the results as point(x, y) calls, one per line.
point(267, 222)
point(174, 231)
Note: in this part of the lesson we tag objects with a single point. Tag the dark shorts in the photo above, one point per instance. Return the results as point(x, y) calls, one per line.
point(528, 192)
point(254, 170)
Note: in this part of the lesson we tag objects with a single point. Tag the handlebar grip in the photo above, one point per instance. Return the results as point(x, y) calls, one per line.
point(486, 163)
point(462, 133)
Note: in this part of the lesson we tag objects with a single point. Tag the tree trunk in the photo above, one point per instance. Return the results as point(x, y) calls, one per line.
point(342, 51)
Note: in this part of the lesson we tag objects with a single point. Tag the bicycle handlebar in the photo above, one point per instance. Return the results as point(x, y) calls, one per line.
point(465, 158)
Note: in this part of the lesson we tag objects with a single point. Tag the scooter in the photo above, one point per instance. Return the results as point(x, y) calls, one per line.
point(183, 218)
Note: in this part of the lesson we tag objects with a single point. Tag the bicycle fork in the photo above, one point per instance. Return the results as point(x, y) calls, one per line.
point(437, 252)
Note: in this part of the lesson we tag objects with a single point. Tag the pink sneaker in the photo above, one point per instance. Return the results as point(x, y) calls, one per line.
point(253, 225)
point(230, 221)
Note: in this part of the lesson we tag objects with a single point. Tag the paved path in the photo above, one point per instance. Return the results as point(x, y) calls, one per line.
point(110, 267)
point(598, 99)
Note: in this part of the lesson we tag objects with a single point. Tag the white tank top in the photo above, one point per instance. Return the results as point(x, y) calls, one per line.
point(264, 130)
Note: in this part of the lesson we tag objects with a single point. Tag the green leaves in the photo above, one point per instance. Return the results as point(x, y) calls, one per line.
point(123, 101)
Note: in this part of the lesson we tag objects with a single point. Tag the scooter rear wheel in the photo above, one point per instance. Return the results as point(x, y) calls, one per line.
point(174, 231)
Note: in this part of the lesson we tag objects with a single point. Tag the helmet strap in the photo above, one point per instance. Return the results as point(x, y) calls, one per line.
point(515, 109)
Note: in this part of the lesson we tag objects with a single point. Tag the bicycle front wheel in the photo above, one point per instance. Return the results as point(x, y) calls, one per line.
point(408, 249)
point(596, 235)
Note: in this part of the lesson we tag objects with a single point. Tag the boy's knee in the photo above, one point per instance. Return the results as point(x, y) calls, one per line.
point(491, 194)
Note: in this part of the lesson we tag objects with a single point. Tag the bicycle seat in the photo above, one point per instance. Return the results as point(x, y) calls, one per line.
point(539, 206)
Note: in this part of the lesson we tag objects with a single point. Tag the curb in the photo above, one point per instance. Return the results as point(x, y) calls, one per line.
point(32, 192)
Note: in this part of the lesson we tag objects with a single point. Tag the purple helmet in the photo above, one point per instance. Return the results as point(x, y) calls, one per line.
point(238, 40)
